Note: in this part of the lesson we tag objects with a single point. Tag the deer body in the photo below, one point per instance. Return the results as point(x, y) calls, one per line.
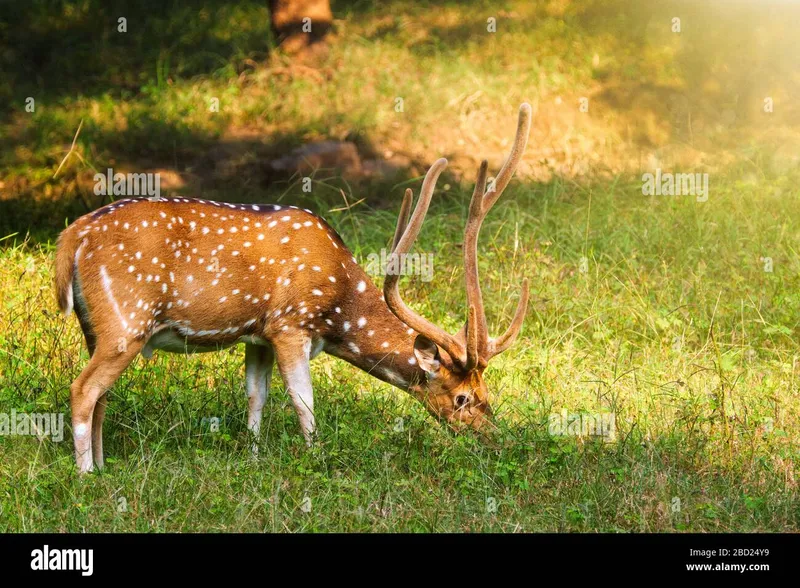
point(189, 275)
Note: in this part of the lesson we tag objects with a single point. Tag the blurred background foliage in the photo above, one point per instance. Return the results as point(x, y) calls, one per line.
point(656, 95)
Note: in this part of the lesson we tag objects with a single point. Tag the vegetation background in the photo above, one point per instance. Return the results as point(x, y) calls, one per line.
point(679, 317)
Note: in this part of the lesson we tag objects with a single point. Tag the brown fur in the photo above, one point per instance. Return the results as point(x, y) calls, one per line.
point(65, 262)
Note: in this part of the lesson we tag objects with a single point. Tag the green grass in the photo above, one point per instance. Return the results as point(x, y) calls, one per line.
point(675, 327)
point(691, 419)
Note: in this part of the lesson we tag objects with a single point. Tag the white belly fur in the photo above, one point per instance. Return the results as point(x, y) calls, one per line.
point(173, 342)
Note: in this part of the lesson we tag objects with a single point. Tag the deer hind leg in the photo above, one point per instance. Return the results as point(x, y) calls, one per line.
point(105, 366)
point(293, 355)
point(258, 363)
point(98, 417)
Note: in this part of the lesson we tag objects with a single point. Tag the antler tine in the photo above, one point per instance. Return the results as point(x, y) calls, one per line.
point(510, 166)
point(413, 226)
point(479, 206)
point(507, 339)
point(473, 358)
point(391, 290)
point(475, 329)
point(402, 219)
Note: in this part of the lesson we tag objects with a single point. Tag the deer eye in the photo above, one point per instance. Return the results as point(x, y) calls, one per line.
point(461, 400)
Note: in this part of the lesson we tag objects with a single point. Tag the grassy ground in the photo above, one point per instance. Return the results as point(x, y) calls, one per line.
point(656, 309)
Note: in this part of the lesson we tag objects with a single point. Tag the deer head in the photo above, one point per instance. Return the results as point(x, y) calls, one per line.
point(454, 389)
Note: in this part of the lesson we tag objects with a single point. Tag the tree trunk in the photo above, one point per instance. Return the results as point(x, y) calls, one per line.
point(300, 23)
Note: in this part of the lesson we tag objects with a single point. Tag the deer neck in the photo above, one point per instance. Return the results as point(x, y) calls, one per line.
point(373, 339)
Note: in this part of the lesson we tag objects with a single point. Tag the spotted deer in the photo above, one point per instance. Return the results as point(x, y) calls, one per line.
point(189, 275)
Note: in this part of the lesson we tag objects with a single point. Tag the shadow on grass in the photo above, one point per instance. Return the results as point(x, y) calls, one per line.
point(189, 162)
point(58, 49)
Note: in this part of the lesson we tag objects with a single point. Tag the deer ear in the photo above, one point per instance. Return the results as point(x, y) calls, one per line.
point(427, 354)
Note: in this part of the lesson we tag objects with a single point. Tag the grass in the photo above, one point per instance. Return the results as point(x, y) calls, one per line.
point(691, 418)
point(656, 309)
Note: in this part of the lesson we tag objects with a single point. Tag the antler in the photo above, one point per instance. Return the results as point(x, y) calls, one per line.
point(481, 203)
point(472, 347)
point(404, 237)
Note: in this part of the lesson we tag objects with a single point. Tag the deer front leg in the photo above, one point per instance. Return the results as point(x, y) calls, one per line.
point(293, 352)
point(258, 362)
